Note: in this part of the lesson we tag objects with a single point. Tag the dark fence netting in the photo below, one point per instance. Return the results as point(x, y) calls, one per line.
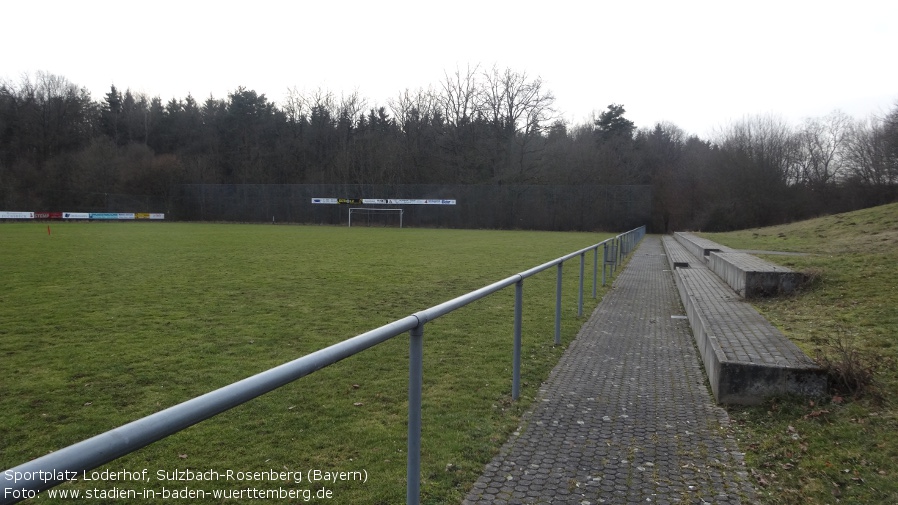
point(581, 207)
point(72, 201)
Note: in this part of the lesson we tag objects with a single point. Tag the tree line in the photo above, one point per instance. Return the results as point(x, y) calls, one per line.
point(62, 150)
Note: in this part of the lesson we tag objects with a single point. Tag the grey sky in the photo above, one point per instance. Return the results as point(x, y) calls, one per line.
point(698, 64)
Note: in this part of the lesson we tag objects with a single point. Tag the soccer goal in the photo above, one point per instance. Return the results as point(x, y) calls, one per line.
point(375, 217)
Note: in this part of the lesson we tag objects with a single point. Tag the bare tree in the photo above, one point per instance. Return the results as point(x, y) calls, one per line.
point(296, 107)
point(460, 138)
point(767, 142)
point(519, 109)
point(755, 168)
point(417, 116)
point(460, 99)
point(867, 154)
point(822, 143)
point(410, 107)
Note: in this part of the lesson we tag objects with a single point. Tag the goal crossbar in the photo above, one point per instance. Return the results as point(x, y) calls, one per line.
point(367, 210)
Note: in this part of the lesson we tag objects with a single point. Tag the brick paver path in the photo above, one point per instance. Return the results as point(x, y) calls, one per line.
point(626, 416)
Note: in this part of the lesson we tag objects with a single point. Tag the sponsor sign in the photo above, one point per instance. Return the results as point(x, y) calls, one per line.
point(104, 215)
point(406, 201)
point(157, 215)
point(75, 215)
point(16, 215)
point(48, 215)
point(385, 201)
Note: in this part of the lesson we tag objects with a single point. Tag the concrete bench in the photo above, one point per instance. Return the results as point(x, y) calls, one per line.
point(748, 275)
point(753, 277)
point(699, 247)
point(746, 358)
point(677, 256)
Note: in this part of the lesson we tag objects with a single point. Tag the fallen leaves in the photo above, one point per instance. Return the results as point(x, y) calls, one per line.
point(816, 413)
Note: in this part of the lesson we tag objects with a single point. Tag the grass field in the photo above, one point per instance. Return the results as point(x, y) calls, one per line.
point(103, 323)
point(844, 450)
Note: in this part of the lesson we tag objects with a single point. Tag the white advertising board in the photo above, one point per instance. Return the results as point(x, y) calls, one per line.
point(16, 215)
point(385, 201)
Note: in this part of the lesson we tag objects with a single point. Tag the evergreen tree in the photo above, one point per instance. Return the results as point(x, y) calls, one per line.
point(111, 115)
point(612, 123)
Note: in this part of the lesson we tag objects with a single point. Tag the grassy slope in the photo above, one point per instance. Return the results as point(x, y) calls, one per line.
point(103, 323)
point(846, 450)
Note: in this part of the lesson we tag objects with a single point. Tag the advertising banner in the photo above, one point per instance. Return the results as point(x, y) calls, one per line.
point(48, 215)
point(16, 215)
point(75, 215)
point(407, 201)
point(104, 215)
point(385, 201)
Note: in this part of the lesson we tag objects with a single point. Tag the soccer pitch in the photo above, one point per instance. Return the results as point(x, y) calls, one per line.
point(103, 323)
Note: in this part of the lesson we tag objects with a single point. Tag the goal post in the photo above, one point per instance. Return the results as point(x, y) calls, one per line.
point(377, 213)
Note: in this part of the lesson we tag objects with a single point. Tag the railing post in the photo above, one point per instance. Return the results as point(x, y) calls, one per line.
point(415, 386)
point(617, 253)
point(604, 261)
point(516, 360)
point(611, 257)
point(558, 307)
point(580, 292)
point(595, 271)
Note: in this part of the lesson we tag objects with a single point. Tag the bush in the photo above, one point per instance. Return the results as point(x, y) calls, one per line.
point(851, 370)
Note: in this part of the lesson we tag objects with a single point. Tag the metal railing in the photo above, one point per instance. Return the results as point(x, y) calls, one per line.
point(28, 479)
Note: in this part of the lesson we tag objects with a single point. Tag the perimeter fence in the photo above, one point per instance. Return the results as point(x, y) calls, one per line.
point(531, 207)
point(27, 480)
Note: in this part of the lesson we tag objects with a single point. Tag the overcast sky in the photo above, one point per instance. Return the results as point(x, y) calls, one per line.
point(697, 64)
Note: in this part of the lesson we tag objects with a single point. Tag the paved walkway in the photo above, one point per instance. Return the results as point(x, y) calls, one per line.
point(625, 416)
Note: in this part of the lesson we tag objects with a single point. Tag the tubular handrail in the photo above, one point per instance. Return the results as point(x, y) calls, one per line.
point(62, 465)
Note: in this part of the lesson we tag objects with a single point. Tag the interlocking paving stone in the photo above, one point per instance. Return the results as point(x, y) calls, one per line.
point(625, 416)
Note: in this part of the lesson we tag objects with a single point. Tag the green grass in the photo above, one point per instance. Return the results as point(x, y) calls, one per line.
point(103, 323)
point(844, 450)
